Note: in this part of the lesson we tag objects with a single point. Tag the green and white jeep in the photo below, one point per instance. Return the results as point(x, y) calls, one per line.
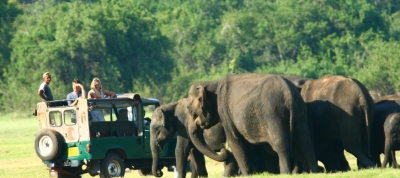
point(71, 144)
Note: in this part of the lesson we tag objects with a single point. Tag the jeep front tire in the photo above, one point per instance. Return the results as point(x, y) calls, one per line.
point(48, 145)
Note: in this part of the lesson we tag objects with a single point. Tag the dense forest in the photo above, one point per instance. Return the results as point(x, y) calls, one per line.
point(157, 48)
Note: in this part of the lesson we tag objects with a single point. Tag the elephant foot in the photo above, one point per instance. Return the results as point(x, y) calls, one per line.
point(365, 164)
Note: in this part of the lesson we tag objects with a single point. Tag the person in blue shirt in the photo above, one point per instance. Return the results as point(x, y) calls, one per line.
point(78, 92)
point(44, 90)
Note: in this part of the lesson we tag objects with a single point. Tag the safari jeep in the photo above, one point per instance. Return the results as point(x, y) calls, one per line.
point(70, 143)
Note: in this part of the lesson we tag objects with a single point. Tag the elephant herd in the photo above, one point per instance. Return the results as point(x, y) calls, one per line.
point(277, 123)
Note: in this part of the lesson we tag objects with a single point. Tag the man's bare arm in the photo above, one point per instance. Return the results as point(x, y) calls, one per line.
point(82, 91)
point(41, 94)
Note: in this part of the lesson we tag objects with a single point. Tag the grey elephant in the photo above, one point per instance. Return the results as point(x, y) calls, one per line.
point(385, 130)
point(173, 118)
point(261, 109)
point(392, 137)
point(341, 113)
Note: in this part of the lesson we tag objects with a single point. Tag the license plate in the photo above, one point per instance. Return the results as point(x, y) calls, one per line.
point(73, 151)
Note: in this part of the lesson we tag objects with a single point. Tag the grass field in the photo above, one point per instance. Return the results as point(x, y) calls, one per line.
point(18, 157)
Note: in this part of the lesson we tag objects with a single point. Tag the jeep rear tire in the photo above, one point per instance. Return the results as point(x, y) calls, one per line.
point(112, 166)
point(48, 145)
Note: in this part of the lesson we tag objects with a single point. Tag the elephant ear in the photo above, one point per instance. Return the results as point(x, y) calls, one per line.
point(164, 119)
point(167, 121)
point(201, 96)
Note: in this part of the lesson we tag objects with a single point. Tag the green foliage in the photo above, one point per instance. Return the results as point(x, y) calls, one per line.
point(381, 67)
point(8, 12)
point(113, 40)
point(158, 48)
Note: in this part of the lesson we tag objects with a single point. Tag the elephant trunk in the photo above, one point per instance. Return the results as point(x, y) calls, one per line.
point(198, 141)
point(154, 152)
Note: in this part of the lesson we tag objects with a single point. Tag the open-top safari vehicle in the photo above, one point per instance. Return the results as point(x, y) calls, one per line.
point(70, 143)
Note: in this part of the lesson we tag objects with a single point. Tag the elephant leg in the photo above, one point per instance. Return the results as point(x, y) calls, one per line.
point(181, 154)
point(198, 164)
point(270, 161)
point(194, 165)
point(297, 167)
point(343, 163)
point(338, 153)
point(230, 166)
point(388, 147)
point(280, 143)
point(352, 142)
point(284, 162)
point(376, 158)
point(331, 153)
point(322, 152)
point(303, 148)
point(241, 157)
point(239, 152)
point(394, 161)
point(390, 160)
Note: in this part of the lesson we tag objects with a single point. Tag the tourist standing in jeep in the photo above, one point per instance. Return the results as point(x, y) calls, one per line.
point(44, 89)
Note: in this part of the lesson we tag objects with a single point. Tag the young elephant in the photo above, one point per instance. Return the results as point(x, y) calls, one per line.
point(392, 139)
point(172, 118)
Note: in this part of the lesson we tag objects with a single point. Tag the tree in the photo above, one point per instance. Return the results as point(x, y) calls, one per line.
point(8, 12)
point(113, 40)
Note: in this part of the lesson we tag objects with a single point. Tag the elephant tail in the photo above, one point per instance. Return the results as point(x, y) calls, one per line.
point(291, 131)
point(368, 116)
point(368, 106)
point(368, 109)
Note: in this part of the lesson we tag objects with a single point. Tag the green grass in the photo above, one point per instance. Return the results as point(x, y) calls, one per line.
point(18, 157)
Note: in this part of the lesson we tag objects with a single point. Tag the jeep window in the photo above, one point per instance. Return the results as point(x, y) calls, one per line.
point(148, 110)
point(55, 118)
point(70, 117)
point(132, 113)
point(108, 114)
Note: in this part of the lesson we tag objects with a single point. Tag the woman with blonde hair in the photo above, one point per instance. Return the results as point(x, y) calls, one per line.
point(97, 90)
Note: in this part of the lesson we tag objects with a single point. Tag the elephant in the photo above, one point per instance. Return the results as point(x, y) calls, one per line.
point(173, 118)
point(261, 109)
point(383, 132)
point(388, 98)
point(392, 137)
point(340, 111)
point(331, 151)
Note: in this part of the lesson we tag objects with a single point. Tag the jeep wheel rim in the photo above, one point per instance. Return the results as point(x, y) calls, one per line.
point(114, 168)
point(45, 146)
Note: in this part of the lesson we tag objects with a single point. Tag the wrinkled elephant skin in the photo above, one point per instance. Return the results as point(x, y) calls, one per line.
point(260, 109)
point(172, 118)
point(385, 130)
point(340, 110)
